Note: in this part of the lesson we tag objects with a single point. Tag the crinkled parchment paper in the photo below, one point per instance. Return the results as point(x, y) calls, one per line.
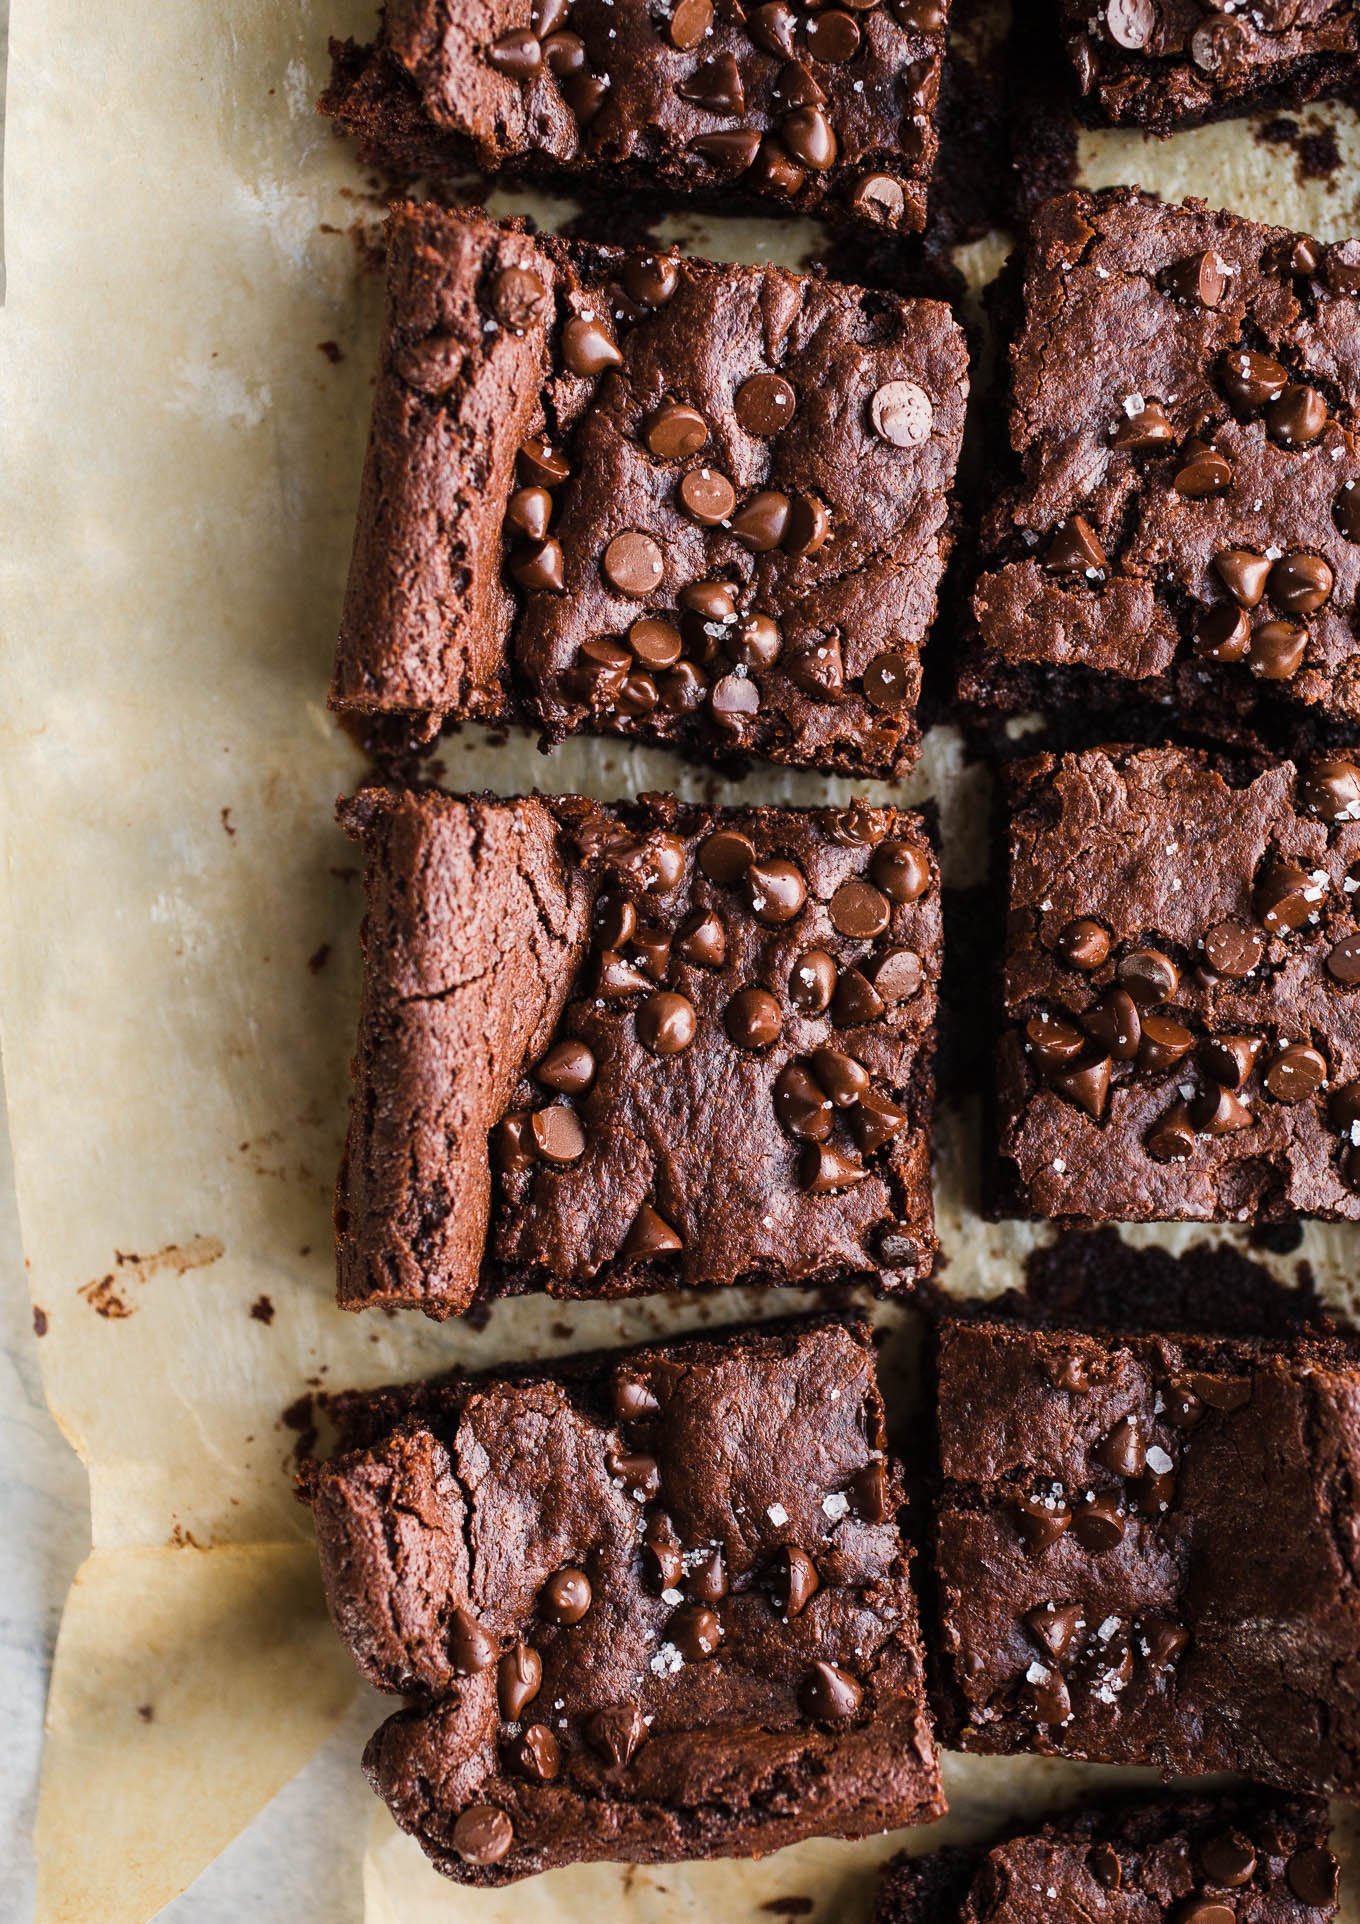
point(188, 348)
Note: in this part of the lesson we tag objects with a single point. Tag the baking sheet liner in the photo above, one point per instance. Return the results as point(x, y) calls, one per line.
point(189, 343)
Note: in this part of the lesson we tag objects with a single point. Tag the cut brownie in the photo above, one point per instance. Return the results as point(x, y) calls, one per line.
point(606, 1051)
point(1243, 1856)
point(1185, 526)
point(706, 505)
point(653, 1605)
point(1171, 63)
point(1147, 1551)
point(827, 113)
point(1181, 998)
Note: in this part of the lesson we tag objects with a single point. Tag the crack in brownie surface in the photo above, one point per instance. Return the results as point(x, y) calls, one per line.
point(651, 496)
point(1169, 63)
point(1181, 1033)
point(653, 1605)
point(605, 1051)
point(1244, 1856)
point(830, 112)
point(1146, 1551)
point(1183, 409)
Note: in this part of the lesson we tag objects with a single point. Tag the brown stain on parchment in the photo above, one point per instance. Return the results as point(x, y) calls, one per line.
point(107, 1295)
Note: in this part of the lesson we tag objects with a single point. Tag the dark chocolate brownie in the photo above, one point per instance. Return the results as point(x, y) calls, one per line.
point(1181, 996)
point(1147, 1550)
point(1184, 525)
point(606, 1051)
point(652, 1605)
point(1171, 63)
point(700, 504)
point(1244, 1856)
point(827, 113)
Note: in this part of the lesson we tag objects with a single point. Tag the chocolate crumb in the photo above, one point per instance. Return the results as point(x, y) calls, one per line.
point(39, 1321)
point(262, 1310)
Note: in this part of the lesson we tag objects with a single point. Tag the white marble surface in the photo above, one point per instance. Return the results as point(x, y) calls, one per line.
point(299, 1862)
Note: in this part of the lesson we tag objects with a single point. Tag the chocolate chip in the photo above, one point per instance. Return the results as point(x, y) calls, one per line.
point(1102, 1860)
point(633, 564)
point(1312, 1875)
point(1201, 279)
point(1148, 428)
point(900, 869)
point(1114, 1025)
point(471, 1647)
point(1296, 1074)
point(696, 1631)
point(708, 1580)
point(517, 54)
point(1129, 23)
point(1082, 944)
point(809, 525)
point(833, 36)
point(898, 975)
point(920, 16)
point(537, 1755)
point(1300, 583)
point(1243, 574)
point(732, 700)
point(1277, 648)
point(876, 1121)
point(689, 23)
point(1230, 1059)
point(810, 138)
point(1226, 1393)
point(1075, 549)
point(519, 1678)
point(1098, 1524)
point(755, 642)
point(1343, 961)
point(528, 512)
point(1251, 380)
point(761, 521)
point(1217, 47)
point(716, 86)
point(518, 295)
point(1087, 1085)
point(666, 1023)
point(565, 54)
point(568, 1067)
point(859, 911)
point(702, 940)
point(830, 1694)
point(1046, 1696)
point(541, 463)
point(1231, 950)
point(558, 1135)
point(856, 1001)
point(801, 1104)
point(902, 414)
point(650, 1235)
point(617, 978)
point(617, 1733)
point(795, 1581)
point(515, 1147)
point(661, 1552)
point(707, 496)
point(880, 198)
point(1164, 1642)
point(776, 891)
point(1217, 1111)
point(1223, 633)
point(1329, 786)
point(870, 1497)
point(651, 279)
point(588, 347)
point(1041, 1520)
point(675, 431)
point(1056, 1627)
point(1203, 473)
point(483, 1834)
point(1054, 1042)
point(543, 566)
point(1228, 1859)
point(1164, 1043)
point(753, 1019)
point(635, 1401)
point(1297, 417)
point(779, 172)
point(1285, 897)
point(772, 27)
point(566, 1596)
point(824, 1169)
point(766, 402)
point(812, 981)
point(1122, 1450)
point(1171, 1138)
point(1150, 977)
point(1346, 511)
point(844, 1080)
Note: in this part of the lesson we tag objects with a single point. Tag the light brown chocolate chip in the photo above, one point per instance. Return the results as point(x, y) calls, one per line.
point(902, 413)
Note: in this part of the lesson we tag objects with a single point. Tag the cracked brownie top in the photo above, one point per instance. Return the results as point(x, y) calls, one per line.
point(1147, 1551)
point(829, 111)
point(652, 1605)
point(701, 504)
point(1183, 402)
point(1168, 63)
point(605, 1051)
point(1181, 1031)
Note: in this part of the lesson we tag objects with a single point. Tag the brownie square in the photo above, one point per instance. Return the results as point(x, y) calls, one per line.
point(1183, 521)
point(652, 1605)
point(1147, 1551)
point(606, 1051)
point(830, 113)
point(654, 497)
point(1161, 64)
point(1244, 1855)
point(1180, 1023)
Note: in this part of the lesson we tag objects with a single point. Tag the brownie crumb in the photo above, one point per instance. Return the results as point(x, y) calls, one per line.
point(262, 1310)
point(332, 350)
point(318, 959)
point(39, 1321)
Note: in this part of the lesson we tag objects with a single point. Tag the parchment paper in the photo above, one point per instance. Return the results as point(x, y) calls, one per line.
point(188, 347)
